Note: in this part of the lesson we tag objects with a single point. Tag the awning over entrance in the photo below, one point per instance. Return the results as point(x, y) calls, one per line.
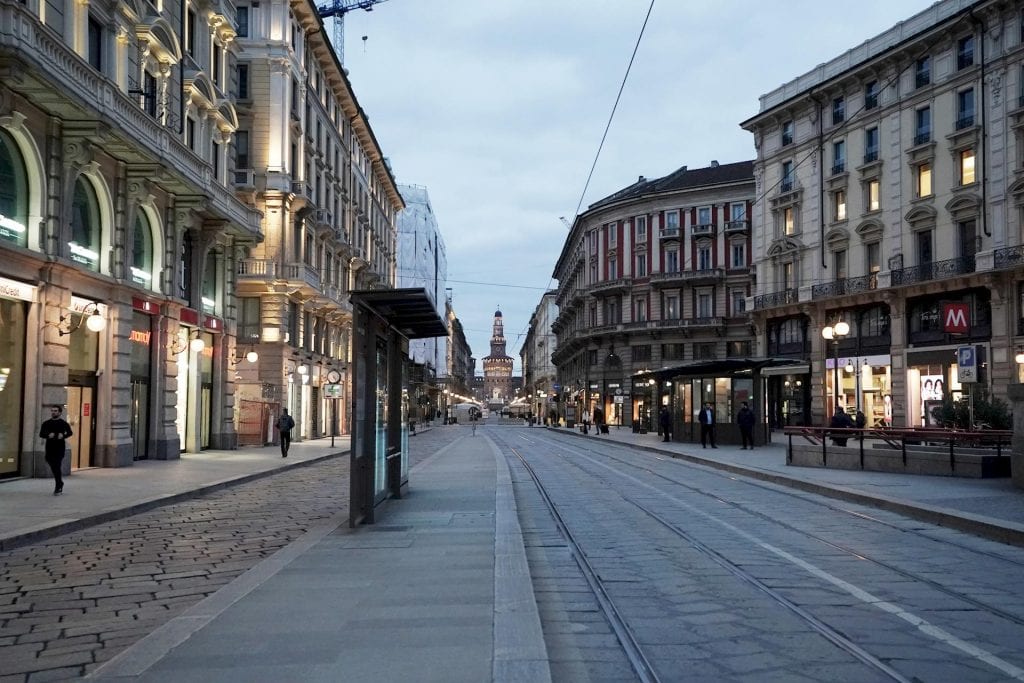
point(409, 311)
point(728, 367)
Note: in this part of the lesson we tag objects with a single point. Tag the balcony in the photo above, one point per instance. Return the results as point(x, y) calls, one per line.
point(838, 167)
point(965, 121)
point(780, 298)
point(610, 287)
point(244, 177)
point(703, 275)
point(937, 270)
point(702, 230)
point(786, 185)
point(1009, 257)
point(303, 275)
point(923, 137)
point(870, 156)
point(257, 269)
point(737, 227)
point(670, 233)
point(845, 286)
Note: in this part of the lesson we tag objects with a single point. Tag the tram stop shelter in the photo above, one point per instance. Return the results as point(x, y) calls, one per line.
point(725, 383)
point(384, 320)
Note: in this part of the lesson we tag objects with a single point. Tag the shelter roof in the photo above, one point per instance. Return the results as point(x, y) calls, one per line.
point(410, 311)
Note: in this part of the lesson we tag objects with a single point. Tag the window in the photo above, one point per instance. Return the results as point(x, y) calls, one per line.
point(874, 188)
point(190, 133)
point(190, 32)
point(965, 109)
point(672, 351)
point(242, 149)
point(248, 319)
point(838, 157)
point(705, 308)
point(967, 167)
point(149, 93)
point(839, 264)
point(641, 228)
point(704, 215)
point(870, 145)
point(705, 351)
point(788, 276)
point(787, 133)
point(871, 95)
point(217, 58)
point(95, 43)
point(703, 258)
point(613, 269)
point(612, 233)
point(838, 110)
point(641, 266)
point(84, 247)
point(738, 349)
point(215, 160)
point(874, 257)
point(839, 205)
point(922, 72)
point(787, 176)
point(640, 353)
point(185, 269)
point(640, 309)
point(738, 212)
point(672, 261)
point(922, 125)
point(739, 255)
point(924, 247)
point(924, 180)
point(788, 221)
point(739, 302)
point(968, 231)
point(142, 251)
point(242, 18)
point(13, 192)
point(672, 222)
point(671, 307)
point(965, 52)
point(611, 311)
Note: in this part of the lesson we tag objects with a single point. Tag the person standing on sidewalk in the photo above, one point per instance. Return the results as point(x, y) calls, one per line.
point(56, 431)
point(706, 417)
point(665, 422)
point(285, 425)
point(585, 419)
point(745, 419)
point(599, 427)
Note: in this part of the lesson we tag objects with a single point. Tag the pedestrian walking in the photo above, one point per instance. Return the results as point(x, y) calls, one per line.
point(706, 417)
point(599, 427)
point(56, 431)
point(285, 425)
point(745, 419)
point(861, 420)
point(665, 422)
point(840, 421)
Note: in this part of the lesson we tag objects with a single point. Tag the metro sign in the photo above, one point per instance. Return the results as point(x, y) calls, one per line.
point(956, 318)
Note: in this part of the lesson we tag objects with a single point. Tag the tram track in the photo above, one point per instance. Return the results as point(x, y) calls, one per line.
point(831, 634)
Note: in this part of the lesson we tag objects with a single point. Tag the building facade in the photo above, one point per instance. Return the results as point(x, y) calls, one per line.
point(423, 262)
point(654, 275)
point(119, 229)
point(540, 377)
point(306, 158)
point(497, 388)
point(890, 198)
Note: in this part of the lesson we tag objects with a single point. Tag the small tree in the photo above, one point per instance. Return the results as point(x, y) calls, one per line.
point(992, 412)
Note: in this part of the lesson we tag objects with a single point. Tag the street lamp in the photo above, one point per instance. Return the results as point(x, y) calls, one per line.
point(835, 333)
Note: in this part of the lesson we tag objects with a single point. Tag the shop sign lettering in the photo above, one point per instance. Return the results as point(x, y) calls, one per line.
point(955, 318)
point(140, 337)
point(17, 290)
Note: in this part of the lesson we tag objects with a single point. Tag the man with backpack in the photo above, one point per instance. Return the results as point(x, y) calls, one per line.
point(285, 425)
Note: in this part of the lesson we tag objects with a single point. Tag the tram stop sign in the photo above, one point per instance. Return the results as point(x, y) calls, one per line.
point(967, 363)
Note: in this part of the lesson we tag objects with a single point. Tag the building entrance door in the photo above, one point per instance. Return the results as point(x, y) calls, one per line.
point(140, 419)
point(82, 418)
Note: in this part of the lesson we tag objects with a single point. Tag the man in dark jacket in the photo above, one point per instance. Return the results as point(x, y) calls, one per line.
point(745, 419)
point(56, 431)
point(599, 426)
point(706, 417)
point(285, 425)
point(842, 421)
point(665, 422)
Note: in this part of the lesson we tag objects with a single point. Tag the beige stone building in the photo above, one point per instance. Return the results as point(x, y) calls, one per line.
point(119, 228)
point(306, 158)
point(889, 197)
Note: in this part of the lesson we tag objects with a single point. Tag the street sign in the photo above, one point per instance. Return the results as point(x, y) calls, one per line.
point(967, 363)
point(332, 391)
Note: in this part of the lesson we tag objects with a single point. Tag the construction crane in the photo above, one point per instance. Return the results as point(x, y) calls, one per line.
point(337, 10)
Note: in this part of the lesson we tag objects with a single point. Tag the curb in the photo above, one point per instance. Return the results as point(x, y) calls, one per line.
point(52, 531)
point(985, 527)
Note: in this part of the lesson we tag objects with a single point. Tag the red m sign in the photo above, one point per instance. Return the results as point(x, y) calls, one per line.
point(955, 318)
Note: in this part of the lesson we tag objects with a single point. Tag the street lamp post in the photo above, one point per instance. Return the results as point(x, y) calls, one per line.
point(835, 333)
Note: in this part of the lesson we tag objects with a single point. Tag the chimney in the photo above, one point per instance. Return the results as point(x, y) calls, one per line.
point(641, 179)
point(714, 163)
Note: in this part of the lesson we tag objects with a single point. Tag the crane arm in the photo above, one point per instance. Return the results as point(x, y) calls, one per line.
point(339, 8)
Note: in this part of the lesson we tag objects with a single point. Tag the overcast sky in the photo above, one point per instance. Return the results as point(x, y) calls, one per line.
point(497, 107)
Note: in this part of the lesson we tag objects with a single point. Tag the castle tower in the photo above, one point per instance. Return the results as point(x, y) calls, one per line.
point(497, 368)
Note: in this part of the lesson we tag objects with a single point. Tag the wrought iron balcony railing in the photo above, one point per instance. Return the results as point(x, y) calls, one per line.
point(937, 270)
point(851, 285)
point(703, 230)
point(1009, 257)
point(736, 226)
point(964, 121)
point(780, 298)
point(923, 137)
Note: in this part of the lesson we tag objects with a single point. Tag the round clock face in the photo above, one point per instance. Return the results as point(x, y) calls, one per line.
point(333, 376)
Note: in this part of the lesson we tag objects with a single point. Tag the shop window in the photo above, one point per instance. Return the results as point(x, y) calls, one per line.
point(85, 225)
point(12, 364)
point(875, 323)
point(13, 193)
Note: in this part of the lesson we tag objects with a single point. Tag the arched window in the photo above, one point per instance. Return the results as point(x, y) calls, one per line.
point(142, 251)
point(208, 295)
point(85, 225)
point(13, 193)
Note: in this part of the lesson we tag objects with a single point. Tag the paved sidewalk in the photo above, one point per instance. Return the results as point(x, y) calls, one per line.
point(992, 508)
point(438, 590)
point(30, 512)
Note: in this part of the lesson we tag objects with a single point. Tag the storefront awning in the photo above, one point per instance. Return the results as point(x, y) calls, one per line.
point(409, 311)
point(727, 367)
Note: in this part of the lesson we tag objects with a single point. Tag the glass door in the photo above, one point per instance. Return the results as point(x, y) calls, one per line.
point(139, 425)
point(81, 415)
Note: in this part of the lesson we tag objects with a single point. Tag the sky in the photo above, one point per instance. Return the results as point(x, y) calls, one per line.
point(498, 109)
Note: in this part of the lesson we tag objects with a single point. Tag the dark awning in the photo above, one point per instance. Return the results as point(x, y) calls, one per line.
point(727, 367)
point(409, 311)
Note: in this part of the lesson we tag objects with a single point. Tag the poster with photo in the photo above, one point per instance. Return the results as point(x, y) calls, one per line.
point(932, 388)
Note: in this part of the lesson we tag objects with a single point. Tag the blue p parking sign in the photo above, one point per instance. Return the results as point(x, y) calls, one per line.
point(967, 363)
